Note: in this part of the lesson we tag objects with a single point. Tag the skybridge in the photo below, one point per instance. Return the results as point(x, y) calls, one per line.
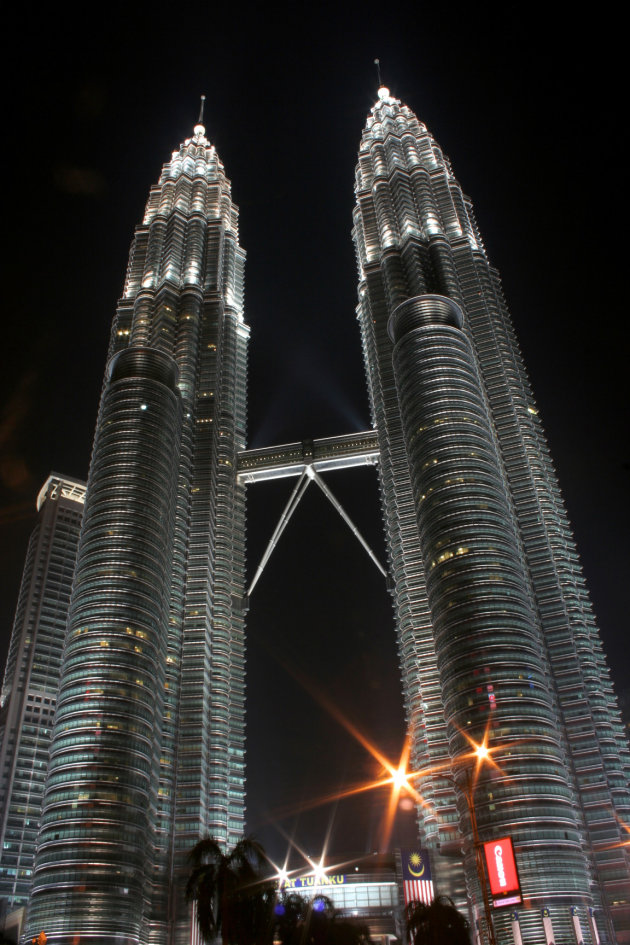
point(322, 455)
point(307, 459)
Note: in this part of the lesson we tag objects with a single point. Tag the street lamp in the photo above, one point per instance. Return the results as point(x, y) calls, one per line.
point(468, 792)
point(482, 753)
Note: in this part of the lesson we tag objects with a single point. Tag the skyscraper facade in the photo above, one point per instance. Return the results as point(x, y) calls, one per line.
point(147, 753)
point(497, 635)
point(31, 679)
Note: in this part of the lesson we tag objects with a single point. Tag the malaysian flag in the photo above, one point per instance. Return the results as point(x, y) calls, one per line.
point(417, 882)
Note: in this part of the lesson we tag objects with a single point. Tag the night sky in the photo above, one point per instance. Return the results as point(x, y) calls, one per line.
point(522, 103)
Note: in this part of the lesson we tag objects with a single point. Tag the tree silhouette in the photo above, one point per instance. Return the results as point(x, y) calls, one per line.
point(300, 921)
point(437, 924)
point(289, 914)
point(232, 899)
point(235, 902)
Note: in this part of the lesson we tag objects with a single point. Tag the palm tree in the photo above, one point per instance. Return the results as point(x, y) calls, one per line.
point(437, 924)
point(232, 899)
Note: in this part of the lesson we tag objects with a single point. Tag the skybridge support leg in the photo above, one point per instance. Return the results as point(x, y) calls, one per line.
point(302, 485)
point(353, 528)
point(300, 488)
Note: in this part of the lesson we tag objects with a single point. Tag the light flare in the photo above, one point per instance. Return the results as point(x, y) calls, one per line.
point(398, 776)
point(395, 774)
point(481, 753)
point(625, 828)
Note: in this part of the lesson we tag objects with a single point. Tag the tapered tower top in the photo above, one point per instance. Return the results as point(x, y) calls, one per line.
point(390, 114)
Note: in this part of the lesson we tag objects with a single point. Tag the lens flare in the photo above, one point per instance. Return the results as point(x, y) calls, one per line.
point(397, 777)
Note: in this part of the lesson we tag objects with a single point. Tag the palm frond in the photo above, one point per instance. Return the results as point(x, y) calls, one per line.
point(206, 850)
point(231, 897)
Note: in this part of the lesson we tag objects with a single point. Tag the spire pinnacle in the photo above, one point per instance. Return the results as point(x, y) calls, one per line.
point(383, 91)
point(199, 130)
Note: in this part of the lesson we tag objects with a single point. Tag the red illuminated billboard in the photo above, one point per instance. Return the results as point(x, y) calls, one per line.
point(502, 872)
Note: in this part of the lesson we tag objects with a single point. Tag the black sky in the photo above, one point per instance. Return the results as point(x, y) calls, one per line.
point(522, 101)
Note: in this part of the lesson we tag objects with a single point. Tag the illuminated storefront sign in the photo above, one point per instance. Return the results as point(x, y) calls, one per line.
point(307, 882)
point(502, 872)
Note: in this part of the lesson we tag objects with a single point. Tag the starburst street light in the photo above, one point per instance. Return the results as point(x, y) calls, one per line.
point(397, 775)
point(482, 754)
point(401, 779)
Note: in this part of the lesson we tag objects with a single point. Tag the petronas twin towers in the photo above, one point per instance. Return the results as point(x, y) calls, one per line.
point(496, 633)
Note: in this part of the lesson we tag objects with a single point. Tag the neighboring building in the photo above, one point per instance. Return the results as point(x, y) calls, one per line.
point(496, 629)
point(365, 889)
point(148, 747)
point(31, 679)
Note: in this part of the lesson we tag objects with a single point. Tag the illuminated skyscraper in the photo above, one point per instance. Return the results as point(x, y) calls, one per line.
point(147, 753)
point(31, 679)
point(496, 629)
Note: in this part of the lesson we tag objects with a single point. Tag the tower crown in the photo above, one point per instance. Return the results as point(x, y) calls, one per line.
point(396, 186)
point(196, 158)
point(191, 195)
point(384, 96)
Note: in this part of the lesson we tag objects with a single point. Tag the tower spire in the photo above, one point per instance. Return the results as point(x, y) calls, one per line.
point(377, 63)
point(200, 129)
